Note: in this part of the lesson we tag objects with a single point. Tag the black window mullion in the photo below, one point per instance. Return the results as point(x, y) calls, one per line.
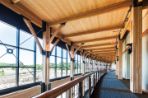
point(66, 62)
point(55, 62)
point(61, 62)
point(34, 61)
point(17, 55)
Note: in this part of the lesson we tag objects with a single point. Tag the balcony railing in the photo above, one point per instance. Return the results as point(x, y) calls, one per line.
point(92, 78)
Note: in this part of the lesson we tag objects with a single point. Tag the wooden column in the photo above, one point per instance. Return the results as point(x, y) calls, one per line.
point(72, 53)
point(45, 59)
point(72, 63)
point(46, 50)
point(135, 57)
point(120, 59)
point(83, 63)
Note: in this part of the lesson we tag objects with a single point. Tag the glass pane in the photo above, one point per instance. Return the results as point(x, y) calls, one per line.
point(64, 67)
point(26, 58)
point(75, 67)
point(53, 52)
point(52, 67)
point(26, 40)
point(58, 51)
point(64, 53)
point(5, 30)
point(68, 65)
point(79, 67)
point(26, 75)
point(52, 73)
point(7, 59)
point(7, 78)
point(52, 61)
point(39, 65)
point(79, 58)
point(59, 65)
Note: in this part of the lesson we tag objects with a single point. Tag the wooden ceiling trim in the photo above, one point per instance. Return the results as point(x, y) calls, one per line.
point(97, 39)
point(94, 45)
point(119, 26)
point(93, 12)
point(19, 9)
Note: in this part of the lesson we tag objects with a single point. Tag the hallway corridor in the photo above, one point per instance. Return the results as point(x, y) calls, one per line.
point(111, 87)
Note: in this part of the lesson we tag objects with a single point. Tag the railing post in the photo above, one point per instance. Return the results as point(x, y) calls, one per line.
point(89, 86)
point(81, 89)
point(96, 78)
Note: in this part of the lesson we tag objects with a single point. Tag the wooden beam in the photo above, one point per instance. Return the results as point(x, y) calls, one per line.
point(15, 1)
point(104, 51)
point(95, 31)
point(97, 39)
point(29, 25)
point(20, 9)
point(101, 48)
point(55, 43)
point(105, 54)
point(112, 49)
point(94, 45)
point(55, 33)
point(97, 11)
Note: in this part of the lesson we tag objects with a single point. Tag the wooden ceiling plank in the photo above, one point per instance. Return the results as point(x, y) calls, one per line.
point(97, 39)
point(95, 31)
point(104, 50)
point(94, 45)
point(101, 48)
point(93, 12)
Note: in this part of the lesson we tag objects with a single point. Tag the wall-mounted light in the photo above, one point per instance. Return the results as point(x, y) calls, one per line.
point(129, 47)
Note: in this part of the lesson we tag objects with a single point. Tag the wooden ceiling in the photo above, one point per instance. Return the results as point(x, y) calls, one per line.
point(96, 23)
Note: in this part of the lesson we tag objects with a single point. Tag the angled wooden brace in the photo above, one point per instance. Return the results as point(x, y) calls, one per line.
point(55, 43)
point(29, 25)
point(55, 33)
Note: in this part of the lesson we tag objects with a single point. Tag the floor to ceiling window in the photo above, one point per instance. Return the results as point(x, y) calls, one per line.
point(8, 50)
point(21, 60)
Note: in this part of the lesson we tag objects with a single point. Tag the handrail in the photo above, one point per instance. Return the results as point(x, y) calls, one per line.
point(62, 88)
